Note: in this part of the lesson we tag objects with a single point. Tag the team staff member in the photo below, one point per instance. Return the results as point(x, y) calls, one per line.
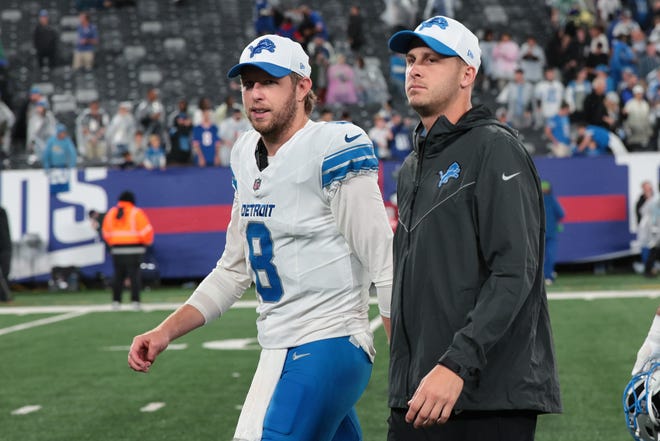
point(128, 232)
point(5, 256)
point(309, 228)
point(472, 355)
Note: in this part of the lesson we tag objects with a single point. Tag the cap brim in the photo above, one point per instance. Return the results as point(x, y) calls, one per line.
point(400, 42)
point(271, 69)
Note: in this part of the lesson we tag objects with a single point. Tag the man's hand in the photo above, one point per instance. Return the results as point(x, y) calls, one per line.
point(145, 349)
point(435, 397)
point(147, 346)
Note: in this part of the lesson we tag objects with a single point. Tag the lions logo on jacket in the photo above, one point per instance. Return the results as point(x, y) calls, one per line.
point(453, 171)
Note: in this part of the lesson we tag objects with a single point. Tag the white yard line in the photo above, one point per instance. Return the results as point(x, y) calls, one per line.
point(146, 307)
point(41, 322)
point(72, 311)
point(152, 407)
point(26, 409)
point(375, 324)
point(594, 295)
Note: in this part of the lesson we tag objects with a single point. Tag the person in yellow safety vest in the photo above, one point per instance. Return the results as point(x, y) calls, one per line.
point(127, 231)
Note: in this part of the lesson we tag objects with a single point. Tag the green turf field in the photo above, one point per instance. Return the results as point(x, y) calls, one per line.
point(75, 369)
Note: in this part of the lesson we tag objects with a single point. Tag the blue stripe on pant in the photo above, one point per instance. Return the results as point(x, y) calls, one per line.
point(316, 394)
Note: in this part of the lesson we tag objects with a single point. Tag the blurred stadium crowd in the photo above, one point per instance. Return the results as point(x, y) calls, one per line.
point(141, 83)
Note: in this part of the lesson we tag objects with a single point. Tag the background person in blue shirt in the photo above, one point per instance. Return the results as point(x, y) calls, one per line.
point(59, 151)
point(88, 38)
point(592, 141)
point(206, 142)
point(58, 158)
point(154, 156)
point(558, 131)
point(554, 213)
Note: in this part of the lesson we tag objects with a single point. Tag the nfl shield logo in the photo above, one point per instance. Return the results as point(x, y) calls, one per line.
point(257, 184)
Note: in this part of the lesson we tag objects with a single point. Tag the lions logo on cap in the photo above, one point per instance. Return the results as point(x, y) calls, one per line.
point(441, 22)
point(263, 45)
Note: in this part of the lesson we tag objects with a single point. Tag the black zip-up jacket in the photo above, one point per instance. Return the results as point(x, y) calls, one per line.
point(468, 286)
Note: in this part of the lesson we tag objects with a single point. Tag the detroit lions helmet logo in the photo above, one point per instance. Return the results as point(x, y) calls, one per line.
point(263, 45)
point(441, 22)
point(452, 172)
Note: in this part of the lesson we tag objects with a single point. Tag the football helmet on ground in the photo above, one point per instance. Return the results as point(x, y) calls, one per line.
point(641, 403)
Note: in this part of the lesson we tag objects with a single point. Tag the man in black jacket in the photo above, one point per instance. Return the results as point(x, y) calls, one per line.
point(44, 39)
point(5, 256)
point(472, 356)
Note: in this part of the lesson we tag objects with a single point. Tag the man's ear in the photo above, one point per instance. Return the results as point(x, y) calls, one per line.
point(302, 88)
point(469, 76)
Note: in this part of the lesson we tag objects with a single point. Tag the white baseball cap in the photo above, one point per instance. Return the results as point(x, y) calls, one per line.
point(278, 56)
point(445, 36)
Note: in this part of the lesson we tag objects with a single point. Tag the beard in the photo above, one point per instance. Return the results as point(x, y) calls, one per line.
point(425, 108)
point(282, 119)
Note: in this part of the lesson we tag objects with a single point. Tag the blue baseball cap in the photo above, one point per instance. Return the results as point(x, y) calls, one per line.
point(276, 55)
point(443, 35)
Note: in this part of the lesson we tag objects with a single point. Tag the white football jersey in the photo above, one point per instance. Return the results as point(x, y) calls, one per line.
point(309, 282)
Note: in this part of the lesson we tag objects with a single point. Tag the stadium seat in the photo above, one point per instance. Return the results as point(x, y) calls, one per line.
point(134, 53)
point(86, 96)
point(150, 75)
point(69, 22)
point(68, 37)
point(11, 15)
point(62, 103)
point(151, 27)
point(174, 44)
point(496, 15)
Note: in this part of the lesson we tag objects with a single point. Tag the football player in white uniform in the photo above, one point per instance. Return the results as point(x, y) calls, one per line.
point(309, 228)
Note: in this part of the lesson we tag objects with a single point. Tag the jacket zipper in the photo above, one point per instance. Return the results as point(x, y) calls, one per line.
point(417, 182)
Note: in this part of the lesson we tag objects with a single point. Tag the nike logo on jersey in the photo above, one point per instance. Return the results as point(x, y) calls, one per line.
point(296, 355)
point(507, 177)
point(351, 138)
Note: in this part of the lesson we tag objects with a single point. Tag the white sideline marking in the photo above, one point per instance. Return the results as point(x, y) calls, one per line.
point(71, 311)
point(26, 409)
point(40, 322)
point(375, 323)
point(125, 348)
point(595, 295)
point(149, 307)
point(146, 307)
point(232, 344)
point(152, 407)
